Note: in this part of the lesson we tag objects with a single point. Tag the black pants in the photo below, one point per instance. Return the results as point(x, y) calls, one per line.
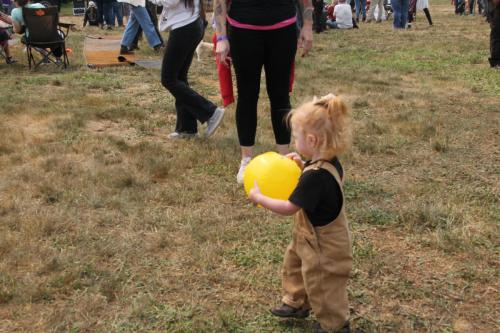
point(190, 105)
point(318, 15)
point(494, 34)
point(4, 35)
point(275, 51)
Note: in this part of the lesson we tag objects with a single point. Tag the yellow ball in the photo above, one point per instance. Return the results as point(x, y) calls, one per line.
point(276, 175)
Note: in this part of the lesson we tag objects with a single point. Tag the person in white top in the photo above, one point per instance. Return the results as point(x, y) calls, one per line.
point(139, 17)
point(186, 22)
point(419, 5)
point(371, 12)
point(343, 16)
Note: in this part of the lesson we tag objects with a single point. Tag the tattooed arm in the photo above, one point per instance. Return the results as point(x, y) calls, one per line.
point(5, 18)
point(306, 35)
point(220, 14)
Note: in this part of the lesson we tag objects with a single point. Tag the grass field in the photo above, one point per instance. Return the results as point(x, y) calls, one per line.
point(106, 226)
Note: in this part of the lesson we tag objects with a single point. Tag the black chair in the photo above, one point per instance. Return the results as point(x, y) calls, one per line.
point(44, 36)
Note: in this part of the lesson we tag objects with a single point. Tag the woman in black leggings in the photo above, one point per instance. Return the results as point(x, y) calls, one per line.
point(261, 34)
point(186, 31)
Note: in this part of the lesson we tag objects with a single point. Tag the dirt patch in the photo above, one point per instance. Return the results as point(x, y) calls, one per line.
point(125, 131)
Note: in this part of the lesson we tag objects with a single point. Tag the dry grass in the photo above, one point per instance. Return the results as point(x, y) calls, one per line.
point(105, 226)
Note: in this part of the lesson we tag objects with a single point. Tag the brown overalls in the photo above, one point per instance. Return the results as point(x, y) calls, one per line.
point(317, 264)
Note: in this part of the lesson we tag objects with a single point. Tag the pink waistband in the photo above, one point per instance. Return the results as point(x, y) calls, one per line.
point(275, 26)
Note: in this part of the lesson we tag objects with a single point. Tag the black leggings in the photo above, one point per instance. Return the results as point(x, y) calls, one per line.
point(495, 35)
point(275, 50)
point(190, 105)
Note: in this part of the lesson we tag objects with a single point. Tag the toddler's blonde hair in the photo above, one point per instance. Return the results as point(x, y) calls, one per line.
point(328, 119)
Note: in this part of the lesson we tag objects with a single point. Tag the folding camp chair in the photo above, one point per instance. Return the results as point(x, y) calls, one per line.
point(44, 36)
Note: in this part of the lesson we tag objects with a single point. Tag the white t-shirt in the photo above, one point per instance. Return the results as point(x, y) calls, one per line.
point(176, 15)
point(421, 4)
point(343, 16)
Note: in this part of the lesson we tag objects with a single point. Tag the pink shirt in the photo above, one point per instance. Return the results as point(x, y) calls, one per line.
point(275, 26)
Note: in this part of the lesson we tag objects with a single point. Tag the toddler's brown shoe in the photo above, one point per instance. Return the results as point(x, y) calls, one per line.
point(286, 311)
point(345, 329)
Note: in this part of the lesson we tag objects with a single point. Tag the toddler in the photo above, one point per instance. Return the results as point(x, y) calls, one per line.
point(5, 24)
point(318, 260)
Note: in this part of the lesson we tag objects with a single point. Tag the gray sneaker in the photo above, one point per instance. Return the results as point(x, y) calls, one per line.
point(214, 122)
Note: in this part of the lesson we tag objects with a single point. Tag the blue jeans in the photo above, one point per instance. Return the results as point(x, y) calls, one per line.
point(360, 5)
point(105, 13)
point(332, 24)
point(118, 12)
point(108, 14)
point(400, 8)
point(139, 17)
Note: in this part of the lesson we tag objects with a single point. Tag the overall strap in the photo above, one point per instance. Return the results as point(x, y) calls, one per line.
point(333, 170)
point(321, 164)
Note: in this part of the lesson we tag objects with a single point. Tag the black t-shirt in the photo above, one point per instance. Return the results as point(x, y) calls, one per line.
point(261, 12)
point(319, 194)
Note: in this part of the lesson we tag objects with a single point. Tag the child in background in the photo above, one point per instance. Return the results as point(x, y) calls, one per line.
point(4, 44)
point(5, 25)
point(318, 260)
point(91, 15)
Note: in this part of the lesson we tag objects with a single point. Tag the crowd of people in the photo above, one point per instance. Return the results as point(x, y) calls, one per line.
point(105, 13)
point(339, 14)
point(16, 20)
point(403, 12)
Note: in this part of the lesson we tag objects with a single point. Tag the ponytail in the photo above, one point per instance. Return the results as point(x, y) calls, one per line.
point(328, 119)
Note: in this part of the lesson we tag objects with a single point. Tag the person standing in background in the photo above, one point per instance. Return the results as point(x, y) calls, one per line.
point(360, 8)
point(261, 34)
point(117, 13)
point(185, 19)
point(105, 13)
point(151, 8)
point(139, 17)
point(371, 11)
point(318, 21)
point(400, 8)
point(419, 5)
point(494, 19)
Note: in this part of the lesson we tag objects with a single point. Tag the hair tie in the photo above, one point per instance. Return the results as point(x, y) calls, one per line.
point(323, 101)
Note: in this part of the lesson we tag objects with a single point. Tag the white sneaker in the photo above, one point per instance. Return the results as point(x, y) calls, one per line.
point(177, 135)
point(241, 172)
point(214, 122)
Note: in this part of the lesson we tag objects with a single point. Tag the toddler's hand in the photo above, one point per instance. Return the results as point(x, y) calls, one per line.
point(297, 159)
point(254, 193)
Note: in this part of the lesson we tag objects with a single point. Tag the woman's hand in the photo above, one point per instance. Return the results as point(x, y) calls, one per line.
point(306, 39)
point(254, 193)
point(297, 159)
point(222, 50)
